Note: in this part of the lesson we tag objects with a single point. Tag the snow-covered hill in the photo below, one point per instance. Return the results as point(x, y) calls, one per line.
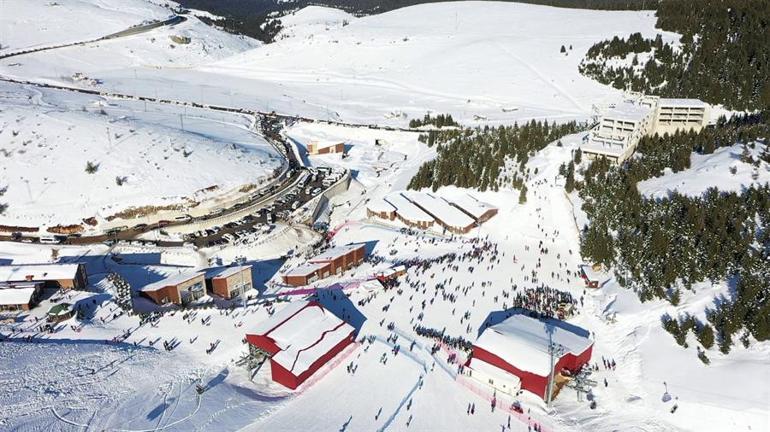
point(479, 61)
point(163, 156)
point(33, 23)
point(724, 169)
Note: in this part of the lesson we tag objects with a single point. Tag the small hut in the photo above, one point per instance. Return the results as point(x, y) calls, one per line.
point(60, 312)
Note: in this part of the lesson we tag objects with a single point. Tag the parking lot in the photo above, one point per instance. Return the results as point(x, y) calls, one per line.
point(259, 223)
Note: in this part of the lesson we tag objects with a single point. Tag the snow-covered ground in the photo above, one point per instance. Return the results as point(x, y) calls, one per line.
point(376, 396)
point(479, 61)
point(724, 169)
point(473, 59)
point(164, 155)
point(35, 23)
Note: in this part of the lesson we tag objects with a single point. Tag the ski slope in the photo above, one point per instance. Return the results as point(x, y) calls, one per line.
point(164, 156)
point(482, 62)
point(35, 23)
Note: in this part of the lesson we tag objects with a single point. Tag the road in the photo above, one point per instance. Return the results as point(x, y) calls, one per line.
point(270, 124)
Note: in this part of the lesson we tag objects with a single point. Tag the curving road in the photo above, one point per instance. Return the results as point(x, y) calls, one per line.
point(270, 124)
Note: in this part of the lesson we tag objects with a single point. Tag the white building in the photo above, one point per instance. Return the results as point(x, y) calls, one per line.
point(681, 114)
point(622, 126)
point(619, 130)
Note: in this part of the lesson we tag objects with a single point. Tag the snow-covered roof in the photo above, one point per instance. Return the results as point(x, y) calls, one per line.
point(406, 209)
point(627, 111)
point(305, 269)
point(16, 296)
point(335, 252)
point(171, 280)
point(38, 272)
point(440, 208)
point(591, 274)
point(695, 103)
point(304, 331)
point(523, 342)
point(472, 206)
point(224, 272)
point(379, 205)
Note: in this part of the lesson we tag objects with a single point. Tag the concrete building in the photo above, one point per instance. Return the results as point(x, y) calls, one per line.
point(325, 147)
point(63, 276)
point(622, 126)
point(180, 289)
point(333, 261)
point(229, 282)
point(19, 296)
point(619, 130)
point(681, 114)
point(299, 339)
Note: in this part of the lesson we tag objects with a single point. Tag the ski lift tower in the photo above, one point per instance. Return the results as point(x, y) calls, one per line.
point(554, 350)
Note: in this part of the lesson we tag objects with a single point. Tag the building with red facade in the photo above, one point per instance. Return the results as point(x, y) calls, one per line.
point(331, 262)
point(299, 339)
point(515, 353)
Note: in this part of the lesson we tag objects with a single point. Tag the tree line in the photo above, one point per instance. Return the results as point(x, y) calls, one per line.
point(659, 247)
point(724, 56)
point(475, 157)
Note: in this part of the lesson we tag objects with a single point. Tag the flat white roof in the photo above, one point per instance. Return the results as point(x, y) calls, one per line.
point(304, 269)
point(669, 102)
point(335, 252)
point(406, 209)
point(440, 208)
point(171, 280)
point(379, 205)
point(627, 111)
point(16, 296)
point(523, 342)
point(304, 332)
point(23, 272)
point(224, 272)
point(471, 205)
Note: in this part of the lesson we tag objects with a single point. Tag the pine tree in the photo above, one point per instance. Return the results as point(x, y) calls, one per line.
point(706, 336)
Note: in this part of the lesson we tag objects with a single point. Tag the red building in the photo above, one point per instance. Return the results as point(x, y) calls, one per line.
point(333, 261)
point(299, 339)
point(518, 349)
point(591, 277)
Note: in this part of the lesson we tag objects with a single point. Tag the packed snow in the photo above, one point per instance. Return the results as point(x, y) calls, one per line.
point(144, 155)
point(186, 369)
point(724, 169)
point(35, 23)
point(378, 69)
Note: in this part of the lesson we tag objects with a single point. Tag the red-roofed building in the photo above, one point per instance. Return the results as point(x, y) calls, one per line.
point(518, 350)
point(299, 339)
point(331, 262)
